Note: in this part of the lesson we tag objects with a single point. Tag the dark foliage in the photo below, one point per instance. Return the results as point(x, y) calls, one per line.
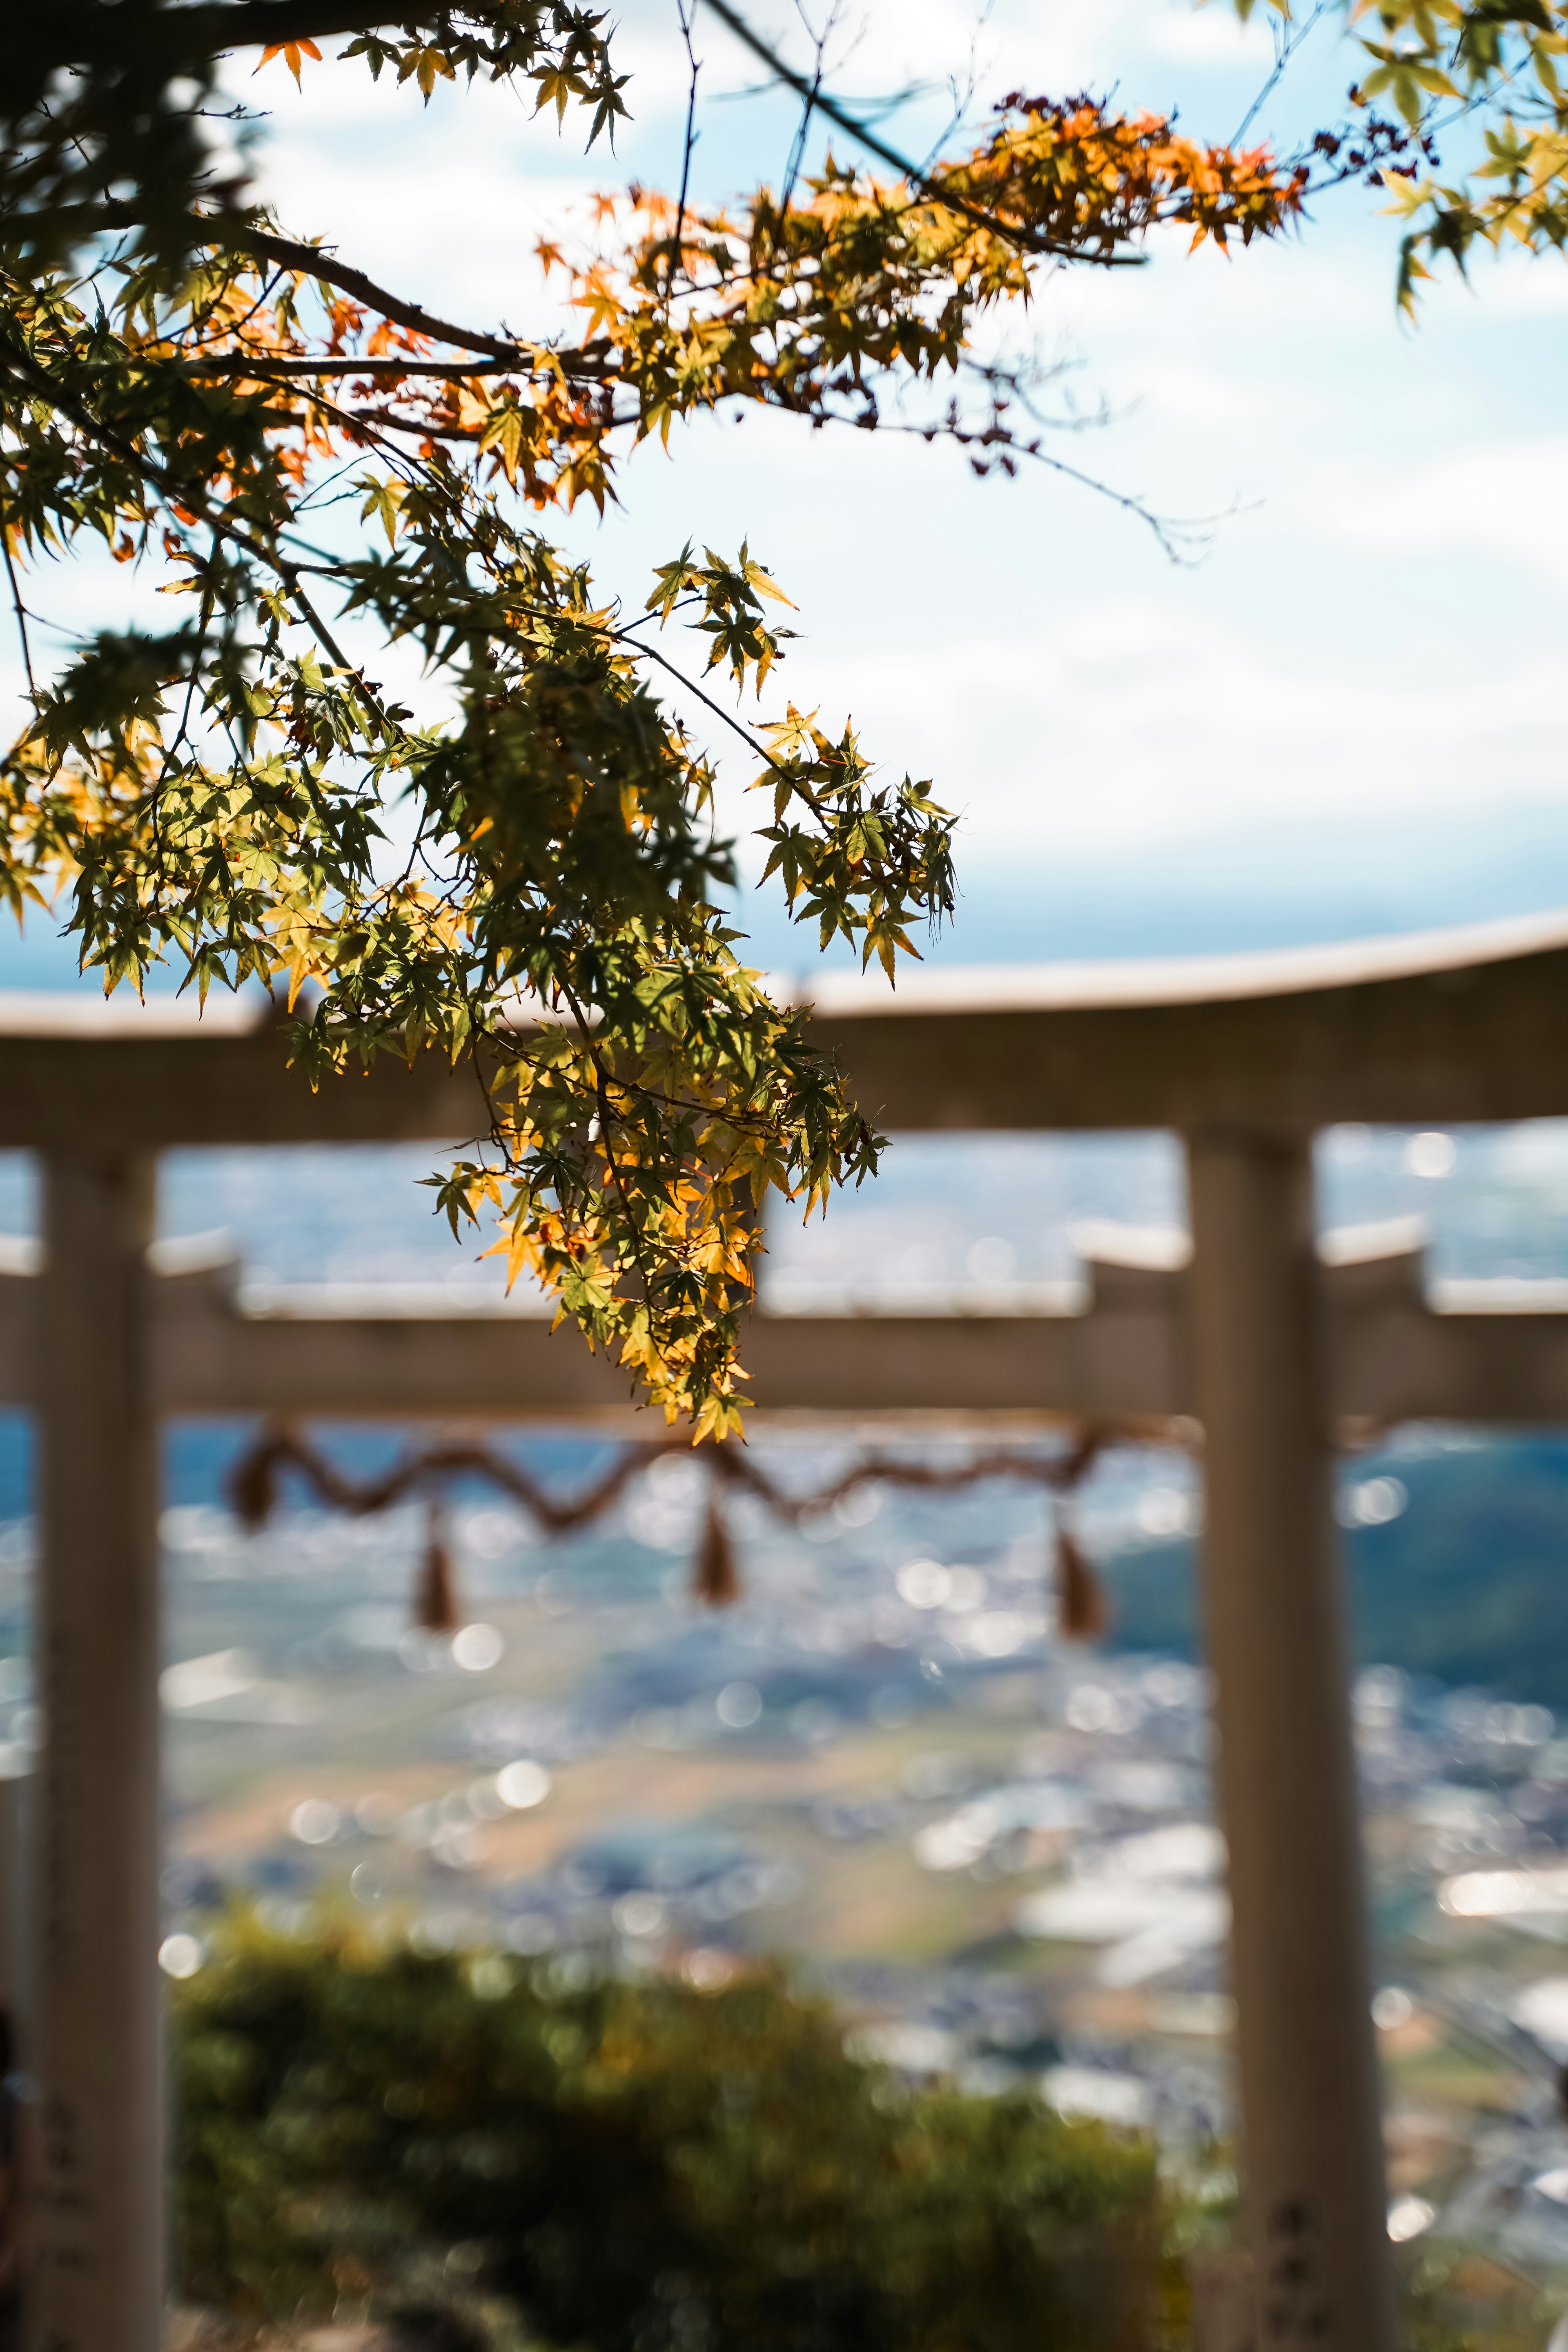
point(1469, 1584)
point(641, 2167)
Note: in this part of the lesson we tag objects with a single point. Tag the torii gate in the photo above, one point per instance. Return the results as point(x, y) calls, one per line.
point(1272, 1354)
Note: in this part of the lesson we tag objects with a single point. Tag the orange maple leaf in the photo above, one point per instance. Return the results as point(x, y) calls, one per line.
point(292, 53)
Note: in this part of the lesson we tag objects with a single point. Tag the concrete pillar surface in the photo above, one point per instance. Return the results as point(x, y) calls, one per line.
point(97, 2283)
point(1274, 1604)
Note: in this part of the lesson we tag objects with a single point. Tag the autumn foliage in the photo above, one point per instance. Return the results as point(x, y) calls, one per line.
point(187, 384)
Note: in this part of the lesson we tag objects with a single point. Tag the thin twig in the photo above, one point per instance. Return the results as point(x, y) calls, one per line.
point(1288, 39)
point(687, 9)
point(22, 363)
point(21, 611)
point(737, 725)
point(797, 149)
point(1181, 541)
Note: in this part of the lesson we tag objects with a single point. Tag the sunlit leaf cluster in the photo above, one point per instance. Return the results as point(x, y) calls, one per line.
point(1491, 68)
point(519, 863)
point(821, 302)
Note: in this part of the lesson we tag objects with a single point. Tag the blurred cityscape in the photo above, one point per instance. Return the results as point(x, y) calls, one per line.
point(996, 1851)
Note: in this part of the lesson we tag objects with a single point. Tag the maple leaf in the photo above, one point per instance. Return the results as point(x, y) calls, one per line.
point(292, 53)
point(423, 62)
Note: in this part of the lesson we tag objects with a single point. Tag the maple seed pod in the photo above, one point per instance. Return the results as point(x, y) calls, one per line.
point(715, 1580)
point(436, 1600)
point(1081, 1612)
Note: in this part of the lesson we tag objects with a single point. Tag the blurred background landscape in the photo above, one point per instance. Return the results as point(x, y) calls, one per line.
point(994, 1849)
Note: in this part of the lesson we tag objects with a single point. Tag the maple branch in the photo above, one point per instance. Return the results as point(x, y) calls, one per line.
point(311, 259)
point(314, 261)
point(21, 362)
point(43, 40)
point(736, 725)
point(1030, 241)
point(261, 364)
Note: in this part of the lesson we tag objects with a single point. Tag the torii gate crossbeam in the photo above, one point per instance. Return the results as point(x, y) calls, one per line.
point(1244, 1056)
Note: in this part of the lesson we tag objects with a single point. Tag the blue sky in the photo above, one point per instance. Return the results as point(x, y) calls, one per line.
point(1349, 717)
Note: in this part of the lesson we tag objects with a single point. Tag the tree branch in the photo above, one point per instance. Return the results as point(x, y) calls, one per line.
point(1030, 241)
point(354, 282)
point(21, 362)
point(21, 611)
point(43, 40)
point(260, 365)
point(687, 20)
point(239, 235)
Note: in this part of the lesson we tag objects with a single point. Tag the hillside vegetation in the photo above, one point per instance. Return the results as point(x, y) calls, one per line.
point(1469, 1584)
point(640, 2167)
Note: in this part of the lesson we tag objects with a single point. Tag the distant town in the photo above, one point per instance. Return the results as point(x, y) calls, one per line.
point(880, 1767)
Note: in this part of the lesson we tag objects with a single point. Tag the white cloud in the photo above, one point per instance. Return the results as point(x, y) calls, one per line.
point(1135, 726)
point(1502, 500)
point(1519, 286)
point(1212, 36)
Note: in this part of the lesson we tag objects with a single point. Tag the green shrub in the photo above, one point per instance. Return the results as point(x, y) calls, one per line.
point(637, 2167)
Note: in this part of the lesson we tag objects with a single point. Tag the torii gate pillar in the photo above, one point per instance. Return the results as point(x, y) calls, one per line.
point(1276, 1638)
point(98, 2281)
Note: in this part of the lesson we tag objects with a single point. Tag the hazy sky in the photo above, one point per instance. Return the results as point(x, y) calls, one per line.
point(1364, 677)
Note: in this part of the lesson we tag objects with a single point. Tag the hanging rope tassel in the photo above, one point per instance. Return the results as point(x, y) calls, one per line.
point(253, 1480)
point(436, 1607)
point(715, 1578)
point(1081, 1612)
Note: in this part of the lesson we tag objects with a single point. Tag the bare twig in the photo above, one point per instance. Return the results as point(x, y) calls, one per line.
point(687, 10)
point(797, 148)
point(21, 611)
point(238, 233)
point(1288, 38)
point(1183, 541)
point(961, 104)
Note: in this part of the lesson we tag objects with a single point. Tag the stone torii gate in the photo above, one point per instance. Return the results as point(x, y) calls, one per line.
point(1271, 1350)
